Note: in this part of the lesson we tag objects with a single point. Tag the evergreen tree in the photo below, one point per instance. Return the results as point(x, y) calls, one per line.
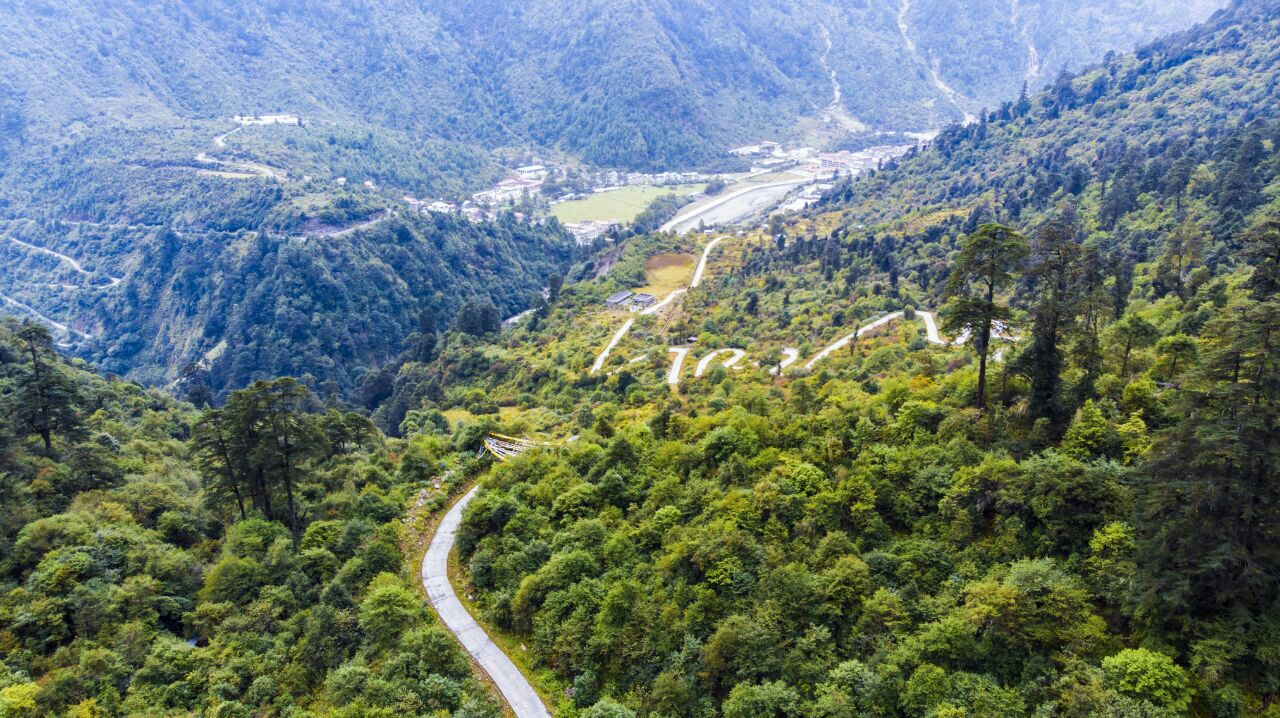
point(1055, 282)
point(986, 264)
point(1184, 250)
point(45, 399)
point(1209, 519)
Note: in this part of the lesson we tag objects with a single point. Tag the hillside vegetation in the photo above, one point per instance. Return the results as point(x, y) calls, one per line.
point(245, 561)
point(1088, 529)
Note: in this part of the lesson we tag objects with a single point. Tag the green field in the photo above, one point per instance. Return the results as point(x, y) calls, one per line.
point(620, 205)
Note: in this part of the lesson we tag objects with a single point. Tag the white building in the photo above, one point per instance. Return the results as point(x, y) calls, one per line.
point(533, 172)
point(589, 231)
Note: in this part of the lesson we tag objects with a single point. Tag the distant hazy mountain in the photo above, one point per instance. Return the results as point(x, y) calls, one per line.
point(641, 83)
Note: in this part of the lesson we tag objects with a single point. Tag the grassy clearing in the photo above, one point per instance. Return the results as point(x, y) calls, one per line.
point(667, 273)
point(460, 415)
point(621, 205)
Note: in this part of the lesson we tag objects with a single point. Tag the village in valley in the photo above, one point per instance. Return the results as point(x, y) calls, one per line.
point(590, 203)
point(598, 204)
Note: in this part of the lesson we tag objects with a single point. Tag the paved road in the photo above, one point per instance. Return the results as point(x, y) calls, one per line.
point(736, 355)
point(931, 328)
point(702, 263)
point(789, 356)
point(663, 304)
point(604, 355)
point(524, 701)
point(844, 341)
point(41, 317)
point(673, 376)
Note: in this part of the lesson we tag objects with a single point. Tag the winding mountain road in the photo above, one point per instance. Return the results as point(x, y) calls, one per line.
point(521, 696)
point(735, 356)
point(66, 330)
point(930, 328)
point(244, 169)
point(58, 255)
point(693, 284)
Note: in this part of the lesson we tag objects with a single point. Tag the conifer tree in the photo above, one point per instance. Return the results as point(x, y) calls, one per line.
point(986, 264)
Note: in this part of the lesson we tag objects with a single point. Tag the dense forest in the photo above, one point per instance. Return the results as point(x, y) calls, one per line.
point(264, 280)
point(238, 562)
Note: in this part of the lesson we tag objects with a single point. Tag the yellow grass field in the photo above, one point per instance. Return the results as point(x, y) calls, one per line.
point(667, 273)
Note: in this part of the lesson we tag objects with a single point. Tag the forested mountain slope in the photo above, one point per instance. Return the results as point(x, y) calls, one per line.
point(1087, 528)
point(245, 561)
point(250, 285)
point(643, 83)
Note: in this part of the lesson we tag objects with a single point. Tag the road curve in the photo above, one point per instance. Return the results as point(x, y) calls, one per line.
point(735, 356)
point(524, 701)
point(677, 363)
point(60, 256)
point(789, 356)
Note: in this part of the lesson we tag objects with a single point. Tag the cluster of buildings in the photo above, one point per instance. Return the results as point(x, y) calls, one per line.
point(511, 189)
point(630, 300)
point(808, 197)
point(589, 231)
point(614, 178)
point(467, 209)
point(855, 163)
point(244, 120)
point(768, 156)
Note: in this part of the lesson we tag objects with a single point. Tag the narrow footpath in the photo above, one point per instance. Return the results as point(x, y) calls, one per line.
point(524, 701)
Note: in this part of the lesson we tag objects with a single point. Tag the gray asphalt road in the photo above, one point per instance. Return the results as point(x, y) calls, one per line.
point(435, 579)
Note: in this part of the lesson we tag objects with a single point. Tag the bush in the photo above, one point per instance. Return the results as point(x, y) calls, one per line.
point(1148, 676)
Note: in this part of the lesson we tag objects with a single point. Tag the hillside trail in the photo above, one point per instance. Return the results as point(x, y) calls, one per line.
point(934, 66)
point(59, 326)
